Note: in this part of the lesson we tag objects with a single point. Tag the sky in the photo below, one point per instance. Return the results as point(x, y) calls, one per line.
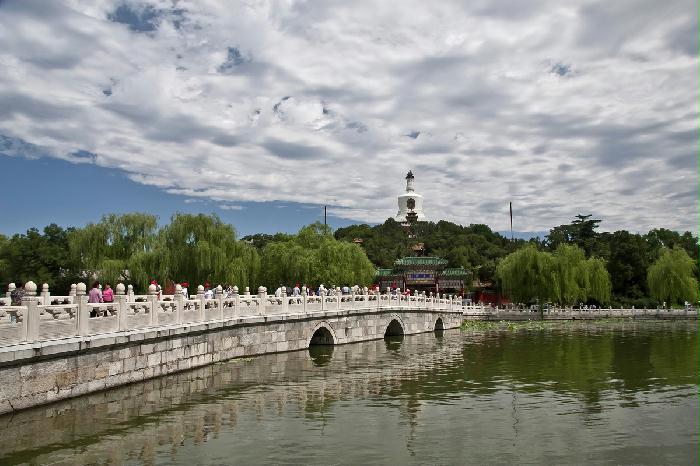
point(264, 111)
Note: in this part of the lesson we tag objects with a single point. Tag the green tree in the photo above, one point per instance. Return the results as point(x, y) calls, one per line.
point(671, 277)
point(528, 274)
point(313, 256)
point(565, 276)
point(119, 248)
point(201, 248)
point(41, 257)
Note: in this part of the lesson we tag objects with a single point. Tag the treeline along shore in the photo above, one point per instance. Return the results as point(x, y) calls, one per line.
point(617, 268)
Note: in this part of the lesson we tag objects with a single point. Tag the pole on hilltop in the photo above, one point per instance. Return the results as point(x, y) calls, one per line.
point(510, 207)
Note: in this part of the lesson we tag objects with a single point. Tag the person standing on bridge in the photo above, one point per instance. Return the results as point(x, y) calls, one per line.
point(108, 294)
point(95, 295)
point(208, 293)
point(17, 294)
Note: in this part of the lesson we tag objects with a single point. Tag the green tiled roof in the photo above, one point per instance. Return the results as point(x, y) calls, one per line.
point(421, 261)
point(384, 272)
point(456, 272)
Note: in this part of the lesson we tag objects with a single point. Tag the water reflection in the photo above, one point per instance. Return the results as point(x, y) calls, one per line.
point(454, 397)
point(393, 342)
point(321, 355)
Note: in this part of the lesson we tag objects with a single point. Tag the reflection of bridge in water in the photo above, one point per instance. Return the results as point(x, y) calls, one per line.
point(196, 404)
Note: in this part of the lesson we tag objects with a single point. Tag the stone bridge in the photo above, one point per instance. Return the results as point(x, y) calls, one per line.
point(51, 351)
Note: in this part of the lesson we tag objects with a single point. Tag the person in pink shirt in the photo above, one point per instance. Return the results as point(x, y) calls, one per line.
point(108, 294)
point(95, 295)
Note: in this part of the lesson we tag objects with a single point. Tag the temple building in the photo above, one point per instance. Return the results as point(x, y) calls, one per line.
point(410, 201)
point(423, 274)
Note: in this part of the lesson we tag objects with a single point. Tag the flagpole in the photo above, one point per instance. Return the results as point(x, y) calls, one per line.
point(510, 207)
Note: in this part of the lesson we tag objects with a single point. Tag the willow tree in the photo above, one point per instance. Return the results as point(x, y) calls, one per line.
point(571, 274)
point(580, 279)
point(599, 282)
point(564, 277)
point(528, 274)
point(671, 277)
point(114, 248)
point(313, 256)
point(202, 248)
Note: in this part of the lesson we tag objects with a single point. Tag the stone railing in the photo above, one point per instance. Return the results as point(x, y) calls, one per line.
point(557, 313)
point(36, 321)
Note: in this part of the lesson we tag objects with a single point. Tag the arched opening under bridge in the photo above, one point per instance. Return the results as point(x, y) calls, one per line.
point(322, 336)
point(439, 325)
point(394, 329)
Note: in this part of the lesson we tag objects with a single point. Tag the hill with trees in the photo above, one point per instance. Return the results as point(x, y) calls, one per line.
point(643, 269)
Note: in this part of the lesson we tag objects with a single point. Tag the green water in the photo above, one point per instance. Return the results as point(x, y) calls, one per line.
point(584, 393)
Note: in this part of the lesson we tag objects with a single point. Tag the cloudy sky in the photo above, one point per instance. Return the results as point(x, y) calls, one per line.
point(245, 107)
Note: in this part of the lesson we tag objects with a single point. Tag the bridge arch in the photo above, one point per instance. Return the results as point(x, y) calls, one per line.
point(439, 325)
point(395, 327)
point(323, 334)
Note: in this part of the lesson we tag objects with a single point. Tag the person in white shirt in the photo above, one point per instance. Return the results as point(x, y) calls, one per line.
point(208, 293)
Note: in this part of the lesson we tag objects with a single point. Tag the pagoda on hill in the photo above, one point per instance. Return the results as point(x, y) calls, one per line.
point(417, 271)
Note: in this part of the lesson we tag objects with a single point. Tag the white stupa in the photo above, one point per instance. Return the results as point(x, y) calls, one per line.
point(410, 200)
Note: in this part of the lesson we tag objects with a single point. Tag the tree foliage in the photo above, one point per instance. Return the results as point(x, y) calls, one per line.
point(671, 277)
point(114, 248)
point(528, 274)
point(564, 277)
point(201, 248)
point(474, 247)
point(41, 257)
point(313, 256)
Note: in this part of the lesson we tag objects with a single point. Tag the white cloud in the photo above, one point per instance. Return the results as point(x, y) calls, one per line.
point(559, 107)
point(231, 207)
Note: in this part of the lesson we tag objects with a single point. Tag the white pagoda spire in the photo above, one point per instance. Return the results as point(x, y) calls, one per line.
point(410, 201)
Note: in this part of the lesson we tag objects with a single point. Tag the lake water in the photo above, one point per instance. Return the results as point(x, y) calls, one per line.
point(567, 393)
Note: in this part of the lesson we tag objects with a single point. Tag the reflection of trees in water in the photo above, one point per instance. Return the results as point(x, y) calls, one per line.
point(197, 405)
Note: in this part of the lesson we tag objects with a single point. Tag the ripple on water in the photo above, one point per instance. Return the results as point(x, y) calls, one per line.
point(578, 393)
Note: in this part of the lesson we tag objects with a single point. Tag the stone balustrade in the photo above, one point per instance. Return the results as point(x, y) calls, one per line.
point(480, 312)
point(44, 317)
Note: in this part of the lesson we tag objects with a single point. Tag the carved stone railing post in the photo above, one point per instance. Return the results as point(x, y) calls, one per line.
point(130, 293)
point(323, 299)
point(262, 296)
point(10, 288)
point(338, 297)
point(45, 294)
point(219, 296)
point(304, 298)
point(30, 327)
point(247, 296)
point(153, 303)
point(73, 290)
point(122, 307)
point(236, 301)
point(285, 303)
point(82, 319)
point(179, 300)
point(199, 316)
